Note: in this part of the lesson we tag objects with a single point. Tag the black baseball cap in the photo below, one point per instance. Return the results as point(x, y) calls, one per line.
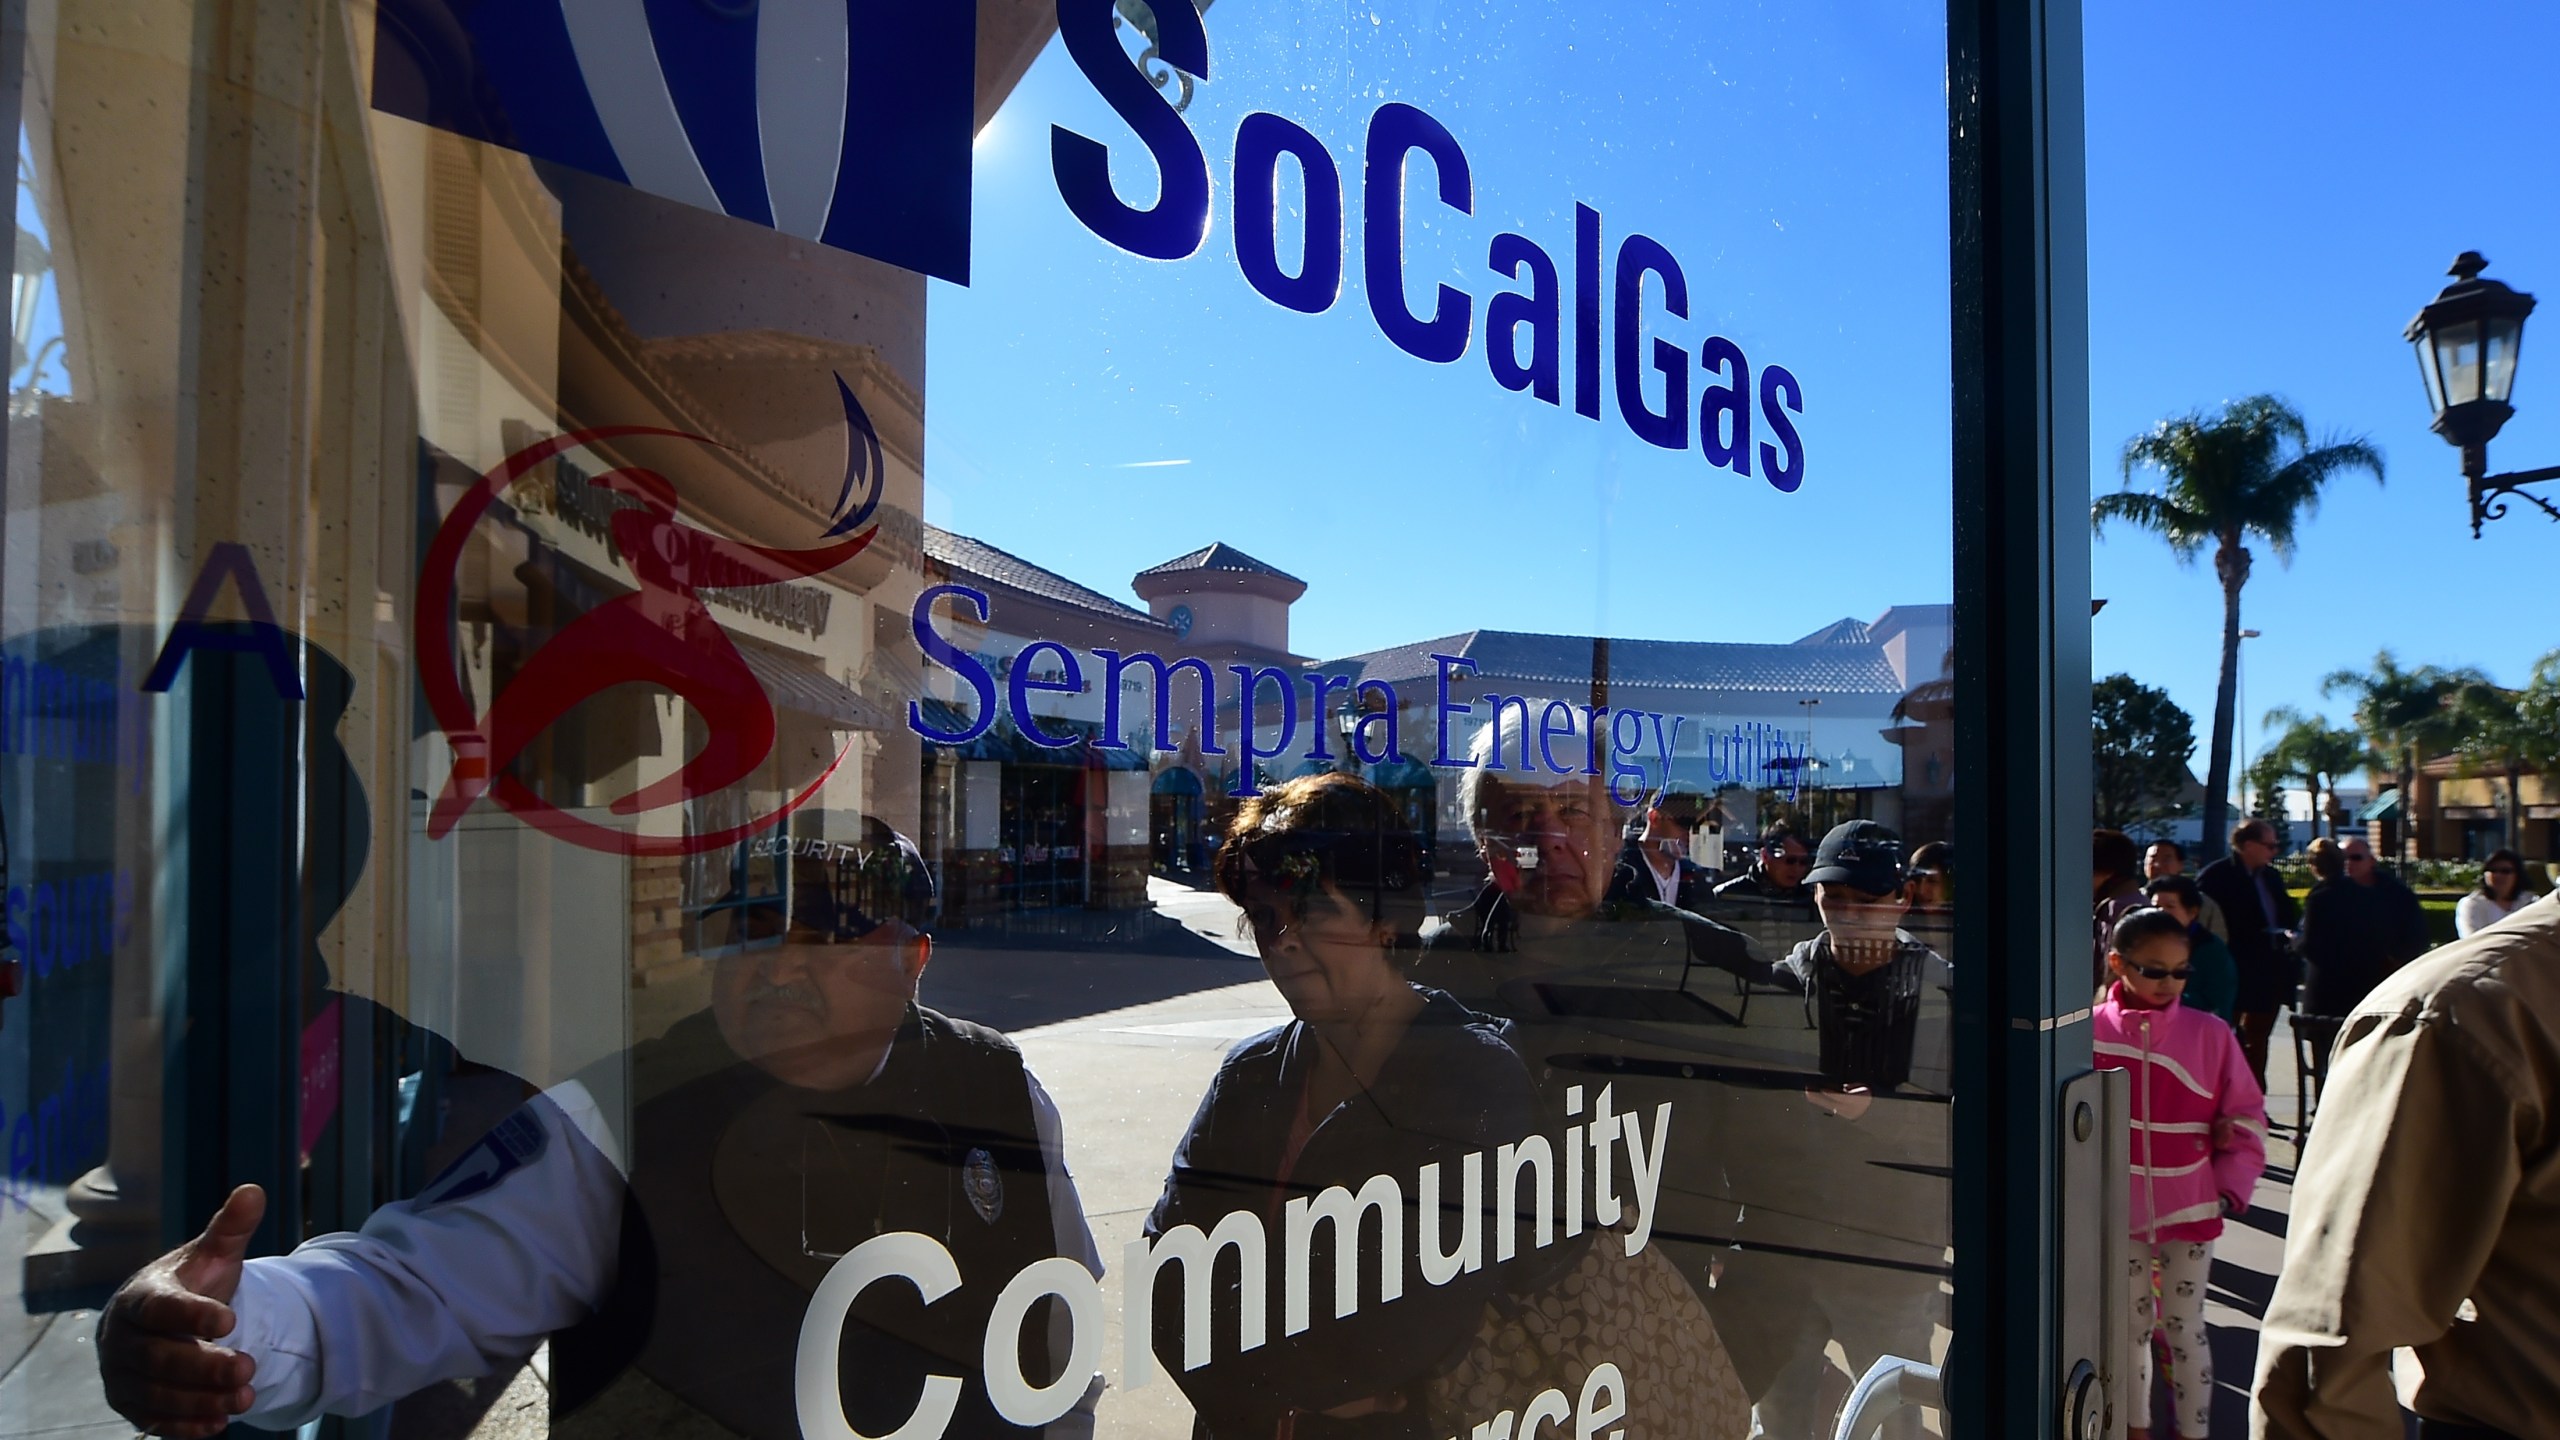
point(844, 889)
point(1860, 854)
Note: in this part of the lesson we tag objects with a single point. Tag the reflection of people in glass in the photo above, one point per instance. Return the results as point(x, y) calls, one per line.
point(1826, 1146)
point(1655, 865)
point(1777, 871)
point(1376, 1075)
point(1880, 1003)
point(1931, 916)
point(813, 1106)
point(1867, 974)
point(1607, 999)
point(1770, 902)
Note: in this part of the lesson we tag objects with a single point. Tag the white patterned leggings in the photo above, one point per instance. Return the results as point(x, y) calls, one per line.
point(2184, 1270)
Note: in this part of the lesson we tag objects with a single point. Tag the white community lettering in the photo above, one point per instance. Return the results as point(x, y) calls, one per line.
point(1542, 1178)
point(1604, 1403)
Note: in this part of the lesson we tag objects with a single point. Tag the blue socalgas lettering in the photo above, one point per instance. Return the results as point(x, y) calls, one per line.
point(1179, 220)
point(840, 121)
point(1604, 296)
point(510, 1145)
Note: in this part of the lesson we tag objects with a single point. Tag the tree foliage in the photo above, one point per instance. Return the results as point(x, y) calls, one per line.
point(2141, 742)
point(2265, 787)
point(2317, 753)
point(2249, 471)
point(2404, 713)
point(2502, 732)
point(2540, 709)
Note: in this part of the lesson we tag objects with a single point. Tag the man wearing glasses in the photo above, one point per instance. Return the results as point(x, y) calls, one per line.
point(1771, 902)
point(2262, 915)
point(2354, 936)
point(1656, 865)
point(1805, 1203)
point(670, 1258)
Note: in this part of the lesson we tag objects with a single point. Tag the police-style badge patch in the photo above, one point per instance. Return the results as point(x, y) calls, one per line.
point(512, 1144)
point(984, 1187)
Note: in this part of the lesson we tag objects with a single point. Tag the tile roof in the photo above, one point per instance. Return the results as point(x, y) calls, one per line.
point(1218, 556)
point(1830, 668)
point(1843, 631)
point(980, 560)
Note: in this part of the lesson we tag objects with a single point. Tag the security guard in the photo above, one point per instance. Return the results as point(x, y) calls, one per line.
point(813, 1106)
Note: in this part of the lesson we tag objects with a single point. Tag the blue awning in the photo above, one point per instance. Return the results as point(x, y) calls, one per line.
point(2384, 806)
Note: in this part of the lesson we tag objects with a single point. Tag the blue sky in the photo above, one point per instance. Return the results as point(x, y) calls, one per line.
point(2274, 190)
point(1793, 163)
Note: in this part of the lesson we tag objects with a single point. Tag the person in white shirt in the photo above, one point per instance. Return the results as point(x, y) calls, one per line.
point(2502, 892)
point(1656, 865)
point(813, 1106)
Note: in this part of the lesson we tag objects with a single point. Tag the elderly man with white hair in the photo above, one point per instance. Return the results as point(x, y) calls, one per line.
point(1805, 1209)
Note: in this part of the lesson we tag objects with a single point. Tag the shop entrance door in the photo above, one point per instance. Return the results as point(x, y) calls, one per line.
point(997, 649)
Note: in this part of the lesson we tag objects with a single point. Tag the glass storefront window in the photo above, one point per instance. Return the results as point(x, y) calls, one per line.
point(1081, 718)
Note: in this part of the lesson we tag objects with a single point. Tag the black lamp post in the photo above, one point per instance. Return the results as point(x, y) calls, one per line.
point(2467, 340)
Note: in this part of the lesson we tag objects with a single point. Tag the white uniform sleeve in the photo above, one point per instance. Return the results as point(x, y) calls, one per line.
point(1075, 1238)
point(515, 1240)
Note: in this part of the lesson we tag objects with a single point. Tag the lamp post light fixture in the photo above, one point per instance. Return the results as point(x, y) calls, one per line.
point(26, 291)
point(2467, 340)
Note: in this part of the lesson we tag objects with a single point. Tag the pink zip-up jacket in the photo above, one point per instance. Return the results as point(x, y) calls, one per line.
point(2188, 1074)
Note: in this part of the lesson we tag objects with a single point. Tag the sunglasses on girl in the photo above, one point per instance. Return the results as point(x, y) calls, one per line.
point(2154, 972)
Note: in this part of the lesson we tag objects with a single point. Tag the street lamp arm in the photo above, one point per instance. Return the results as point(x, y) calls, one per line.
point(2489, 494)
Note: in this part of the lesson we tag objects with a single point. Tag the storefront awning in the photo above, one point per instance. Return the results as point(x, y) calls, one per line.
point(1002, 742)
point(2384, 806)
point(799, 685)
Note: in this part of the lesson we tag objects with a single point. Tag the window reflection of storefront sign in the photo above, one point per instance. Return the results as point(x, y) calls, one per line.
point(1637, 751)
point(661, 633)
point(589, 508)
point(49, 713)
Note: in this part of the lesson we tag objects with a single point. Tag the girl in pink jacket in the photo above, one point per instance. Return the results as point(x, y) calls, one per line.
point(2199, 1143)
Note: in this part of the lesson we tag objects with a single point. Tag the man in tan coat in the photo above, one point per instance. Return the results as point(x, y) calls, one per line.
point(2427, 1209)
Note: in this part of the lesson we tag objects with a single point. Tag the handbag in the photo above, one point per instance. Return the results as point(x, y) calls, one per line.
point(1637, 1312)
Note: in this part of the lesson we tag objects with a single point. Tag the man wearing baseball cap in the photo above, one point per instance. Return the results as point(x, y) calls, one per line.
point(1868, 977)
point(1880, 1000)
point(670, 1257)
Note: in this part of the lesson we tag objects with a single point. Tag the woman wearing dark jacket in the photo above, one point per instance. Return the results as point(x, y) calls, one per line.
point(1375, 1076)
point(2328, 930)
point(2357, 928)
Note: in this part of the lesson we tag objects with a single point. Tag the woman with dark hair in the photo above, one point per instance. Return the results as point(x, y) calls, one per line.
point(2502, 892)
point(1375, 1076)
point(2115, 891)
point(2333, 979)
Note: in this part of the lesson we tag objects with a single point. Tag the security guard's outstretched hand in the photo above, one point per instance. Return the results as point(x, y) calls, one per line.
point(156, 1339)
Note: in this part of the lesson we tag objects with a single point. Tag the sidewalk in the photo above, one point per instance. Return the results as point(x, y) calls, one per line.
point(2249, 1255)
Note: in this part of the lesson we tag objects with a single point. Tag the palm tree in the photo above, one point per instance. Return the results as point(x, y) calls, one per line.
point(2249, 471)
point(2508, 732)
point(2265, 779)
point(2321, 753)
point(2403, 712)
